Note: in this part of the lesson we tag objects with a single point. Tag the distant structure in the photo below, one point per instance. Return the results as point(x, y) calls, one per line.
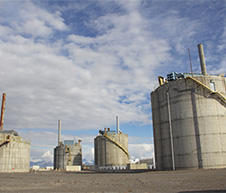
point(14, 152)
point(67, 156)
point(111, 148)
point(189, 118)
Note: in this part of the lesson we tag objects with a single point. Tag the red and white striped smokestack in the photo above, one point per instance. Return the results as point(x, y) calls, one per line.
point(2, 111)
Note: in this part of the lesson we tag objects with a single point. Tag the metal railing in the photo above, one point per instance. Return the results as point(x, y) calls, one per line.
point(127, 153)
point(217, 95)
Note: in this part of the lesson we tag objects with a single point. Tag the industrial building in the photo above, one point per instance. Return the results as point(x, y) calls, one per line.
point(67, 155)
point(14, 152)
point(111, 149)
point(189, 118)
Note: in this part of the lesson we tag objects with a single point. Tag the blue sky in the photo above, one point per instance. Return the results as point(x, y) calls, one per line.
point(86, 62)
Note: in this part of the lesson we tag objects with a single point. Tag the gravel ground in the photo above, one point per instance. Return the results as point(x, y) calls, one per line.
point(201, 181)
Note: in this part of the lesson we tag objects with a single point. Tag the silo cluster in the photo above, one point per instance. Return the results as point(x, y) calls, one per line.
point(189, 118)
point(67, 155)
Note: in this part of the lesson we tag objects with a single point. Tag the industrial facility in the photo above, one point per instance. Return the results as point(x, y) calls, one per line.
point(67, 155)
point(189, 118)
point(14, 152)
point(111, 149)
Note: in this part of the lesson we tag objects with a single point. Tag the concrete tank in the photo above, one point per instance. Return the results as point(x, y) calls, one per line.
point(189, 118)
point(111, 149)
point(14, 152)
point(67, 155)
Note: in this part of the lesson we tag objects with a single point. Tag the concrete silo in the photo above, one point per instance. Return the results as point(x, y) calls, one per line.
point(111, 149)
point(67, 156)
point(189, 118)
point(14, 152)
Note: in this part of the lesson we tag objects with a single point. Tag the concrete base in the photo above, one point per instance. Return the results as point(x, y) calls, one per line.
point(133, 166)
point(73, 168)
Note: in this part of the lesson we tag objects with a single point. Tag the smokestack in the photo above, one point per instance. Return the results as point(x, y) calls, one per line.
point(117, 124)
point(202, 59)
point(59, 131)
point(2, 111)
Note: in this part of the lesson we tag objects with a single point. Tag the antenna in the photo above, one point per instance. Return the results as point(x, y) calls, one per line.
point(190, 61)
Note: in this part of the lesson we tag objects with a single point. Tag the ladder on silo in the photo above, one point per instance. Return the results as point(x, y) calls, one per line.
point(115, 142)
point(217, 95)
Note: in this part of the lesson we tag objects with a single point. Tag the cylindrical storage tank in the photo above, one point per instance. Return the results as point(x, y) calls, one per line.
point(55, 158)
point(14, 153)
point(198, 117)
point(59, 153)
point(111, 150)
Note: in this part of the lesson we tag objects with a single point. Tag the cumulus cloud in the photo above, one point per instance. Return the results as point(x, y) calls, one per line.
point(115, 77)
point(48, 155)
point(141, 151)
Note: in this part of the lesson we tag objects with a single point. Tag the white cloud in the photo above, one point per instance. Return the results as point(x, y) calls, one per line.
point(48, 155)
point(41, 155)
point(80, 86)
point(28, 18)
point(88, 154)
point(141, 151)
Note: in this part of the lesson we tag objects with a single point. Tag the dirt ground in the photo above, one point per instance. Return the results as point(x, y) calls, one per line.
point(201, 181)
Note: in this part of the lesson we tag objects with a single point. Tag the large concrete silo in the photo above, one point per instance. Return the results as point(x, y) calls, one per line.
point(67, 155)
point(189, 118)
point(111, 149)
point(14, 152)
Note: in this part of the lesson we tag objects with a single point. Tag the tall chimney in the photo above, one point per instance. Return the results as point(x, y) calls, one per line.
point(2, 111)
point(202, 59)
point(59, 131)
point(117, 124)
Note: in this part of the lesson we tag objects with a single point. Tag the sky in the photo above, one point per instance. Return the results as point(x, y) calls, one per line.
point(84, 62)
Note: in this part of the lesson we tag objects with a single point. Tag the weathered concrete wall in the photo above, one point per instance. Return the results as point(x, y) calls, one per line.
point(133, 166)
point(67, 156)
point(107, 153)
point(198, 124)
point(73, 168)
point(15, 155)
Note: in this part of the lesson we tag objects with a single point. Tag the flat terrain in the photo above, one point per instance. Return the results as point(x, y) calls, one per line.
point(203, 181)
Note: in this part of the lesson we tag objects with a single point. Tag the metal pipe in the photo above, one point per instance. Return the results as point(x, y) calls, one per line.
point(79, 142)
point(117, 124)
point(2, 111)
point(189, 54)
point(171, 132)
point(202, 59)
point(59, 132)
